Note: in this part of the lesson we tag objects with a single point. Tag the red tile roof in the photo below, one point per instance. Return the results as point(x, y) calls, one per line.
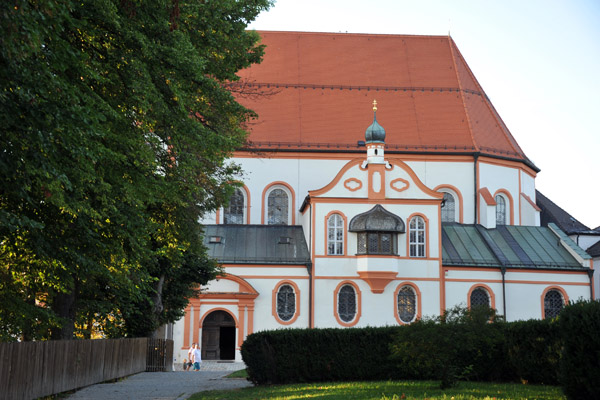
point(319, 89)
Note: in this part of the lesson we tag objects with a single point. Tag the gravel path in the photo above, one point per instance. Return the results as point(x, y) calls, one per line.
point(165, 385)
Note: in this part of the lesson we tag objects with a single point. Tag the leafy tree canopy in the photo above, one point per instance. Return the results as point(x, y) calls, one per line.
point(116, 124)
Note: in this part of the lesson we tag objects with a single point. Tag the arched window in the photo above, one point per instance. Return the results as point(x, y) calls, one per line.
point(335, 235)
point(416, 230)
point(407, 304)
point(553, 303)
point(347, 303)
point(277, 207)
point(448, 208)
point(500, 210)
point(234, 212)
point(286, 302)
point(479, 297)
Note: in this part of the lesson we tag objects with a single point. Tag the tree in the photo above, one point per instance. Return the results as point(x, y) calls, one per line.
point(116, 126)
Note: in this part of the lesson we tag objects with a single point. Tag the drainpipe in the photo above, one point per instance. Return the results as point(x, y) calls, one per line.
point(475, 159)
point(503, 271)
point(310, 294)
point(591, 275)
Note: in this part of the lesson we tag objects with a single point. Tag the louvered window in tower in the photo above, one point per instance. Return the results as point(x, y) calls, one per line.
point(277, 206)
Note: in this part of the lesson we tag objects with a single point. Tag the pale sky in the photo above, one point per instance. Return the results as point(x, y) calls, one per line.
point(537, 60)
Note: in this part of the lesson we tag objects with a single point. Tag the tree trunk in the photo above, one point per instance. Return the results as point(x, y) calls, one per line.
point(64, 306)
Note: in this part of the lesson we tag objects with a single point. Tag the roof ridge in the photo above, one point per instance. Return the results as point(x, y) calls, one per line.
point(511, 140)
point(353, 34)
point(462, 96)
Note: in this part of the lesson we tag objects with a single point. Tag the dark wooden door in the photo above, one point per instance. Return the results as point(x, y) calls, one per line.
point(218, 336)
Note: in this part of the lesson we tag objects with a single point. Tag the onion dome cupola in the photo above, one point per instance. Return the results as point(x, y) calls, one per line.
point(375, 132)
point(375, 140)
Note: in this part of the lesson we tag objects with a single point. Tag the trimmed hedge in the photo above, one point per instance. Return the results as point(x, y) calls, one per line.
point(461, 345)
point(313, 355)
point(580, 362)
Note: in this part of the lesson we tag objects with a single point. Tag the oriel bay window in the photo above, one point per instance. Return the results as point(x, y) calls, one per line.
point(377, 231)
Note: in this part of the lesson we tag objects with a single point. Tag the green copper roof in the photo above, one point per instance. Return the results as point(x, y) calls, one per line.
point(506, 246)
point(256, 244)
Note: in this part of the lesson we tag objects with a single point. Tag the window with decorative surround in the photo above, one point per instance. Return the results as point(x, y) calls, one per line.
point(479, 297)
point(335, 235)
point(417, 236)
point(286, 302)
point(234, 212)
point(407, 304)
point(346, 306)
point(278, 207)
point(500, 210)
point(448, 208)
point(553, 303)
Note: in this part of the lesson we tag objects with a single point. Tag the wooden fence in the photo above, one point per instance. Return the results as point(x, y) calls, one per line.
point(30, 370)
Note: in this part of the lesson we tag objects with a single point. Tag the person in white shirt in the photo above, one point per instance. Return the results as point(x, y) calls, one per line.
point(196, 357)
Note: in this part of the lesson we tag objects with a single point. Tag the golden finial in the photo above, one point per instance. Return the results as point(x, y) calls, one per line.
point(374, 105)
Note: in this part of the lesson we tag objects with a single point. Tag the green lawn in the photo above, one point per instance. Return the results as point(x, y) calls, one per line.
point(398, 390)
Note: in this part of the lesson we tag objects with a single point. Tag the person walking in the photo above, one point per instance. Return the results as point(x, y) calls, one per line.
point(196, 357)
point(189, 357)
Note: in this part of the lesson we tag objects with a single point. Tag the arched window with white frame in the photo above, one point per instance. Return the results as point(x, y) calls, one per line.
point(500, 210)
point(235, 212)
point(417, 237)
point(335, 235)
point(278, 207)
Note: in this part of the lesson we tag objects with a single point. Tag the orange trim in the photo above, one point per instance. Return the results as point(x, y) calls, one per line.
point(376, 178)
point(519, 282)
point(496, 269)
point(415, 178)
point(218, 217)
point(346, 200)
point(350, 256)
point(398, 278)
point(242, 314)
point(196, 326)
point(275, 276)
point(531, 202)
point(274, 302)
point(549, 288)
point(299, 266)
point(402, 188)
point(348, 181)
point(510, 201)
point(487, 196)
point(292, 195)
point(358, 303)
point(418, 305)
point(489, 291)
point(460, 199)
point(219, 309)
point(345, 231)
point(338, 177)
point(377, 280)
point(186, 327)
point(511, 164)
point(426, 220)
point(348, 156)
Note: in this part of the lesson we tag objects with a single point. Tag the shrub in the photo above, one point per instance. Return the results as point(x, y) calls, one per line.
point(533, 351)
point(580, 362)
point(462, 344)
point(313, 355)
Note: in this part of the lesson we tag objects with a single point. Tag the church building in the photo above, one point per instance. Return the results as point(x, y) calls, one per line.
point(380, 186)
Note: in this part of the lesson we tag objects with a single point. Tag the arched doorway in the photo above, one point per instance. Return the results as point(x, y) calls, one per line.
point(218, 336)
